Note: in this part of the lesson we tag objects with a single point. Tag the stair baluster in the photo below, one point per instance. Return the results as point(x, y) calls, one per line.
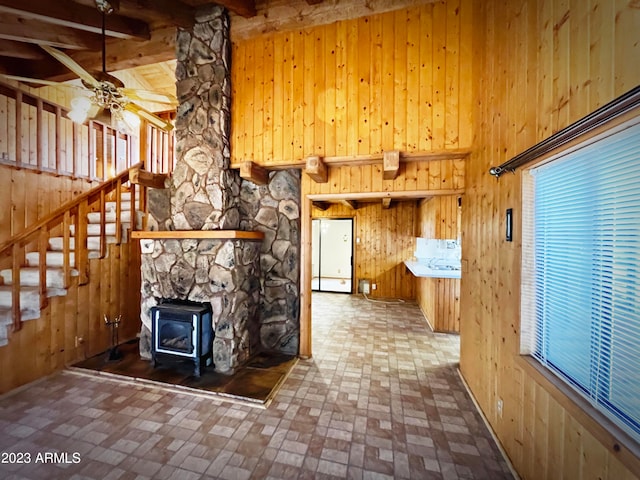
point(46, 271)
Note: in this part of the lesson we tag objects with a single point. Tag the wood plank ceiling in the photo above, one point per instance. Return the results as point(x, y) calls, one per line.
point(139, 33)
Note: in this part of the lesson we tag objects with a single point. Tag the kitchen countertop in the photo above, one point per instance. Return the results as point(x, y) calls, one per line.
point(423, 270)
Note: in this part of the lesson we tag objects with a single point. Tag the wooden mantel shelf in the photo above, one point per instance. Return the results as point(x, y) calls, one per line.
point(198, 234)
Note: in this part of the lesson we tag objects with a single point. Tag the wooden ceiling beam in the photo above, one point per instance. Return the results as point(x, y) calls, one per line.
point(244, 8)
point(160, 48)
point(66, 13)
point(177, 13)
point(9, 48)
point(34, 31)
point(171, 12)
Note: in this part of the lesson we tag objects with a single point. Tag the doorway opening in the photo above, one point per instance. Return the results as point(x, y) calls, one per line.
point(332, 255)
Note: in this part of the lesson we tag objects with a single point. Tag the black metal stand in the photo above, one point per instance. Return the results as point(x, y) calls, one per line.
point(114, 351)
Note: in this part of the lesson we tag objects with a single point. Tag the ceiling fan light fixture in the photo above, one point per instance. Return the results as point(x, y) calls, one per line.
point(79, 109)
point(131, 121)
point(81, 103)
point(107, 6)
point(77, 116)
point(125, 121)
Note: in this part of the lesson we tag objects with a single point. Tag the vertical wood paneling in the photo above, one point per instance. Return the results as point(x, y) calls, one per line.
point(278, 95)
point(413, 79)
point(308, 110)
point(386, 241)
point(321, 65)
point(439, 298)
point(298, 128)
point(382, 82)
point(433, 175)
point(438, 66)
point(375, 85)
point(363, 81)
point(268, 85)
point(538, 65)
point(287, 84)
point(239, 85)
point(352, 88)
point(327, 103)
point(341, 89)
point(78, 313)
point(399, 73)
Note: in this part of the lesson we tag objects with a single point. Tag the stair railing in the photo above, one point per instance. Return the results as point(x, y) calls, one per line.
point(73, 213)
point(40, 137)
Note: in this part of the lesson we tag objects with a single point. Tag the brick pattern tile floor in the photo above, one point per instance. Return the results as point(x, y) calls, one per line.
point(380, 399)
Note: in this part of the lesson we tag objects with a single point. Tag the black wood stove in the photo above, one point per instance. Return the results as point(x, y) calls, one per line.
point(182, 331)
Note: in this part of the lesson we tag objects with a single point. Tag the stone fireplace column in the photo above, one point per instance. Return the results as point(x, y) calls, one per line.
point(204, 191)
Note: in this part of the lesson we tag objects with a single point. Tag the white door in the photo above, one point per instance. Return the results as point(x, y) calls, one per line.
point(332, 255)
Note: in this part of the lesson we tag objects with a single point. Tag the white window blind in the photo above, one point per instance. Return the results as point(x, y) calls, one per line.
point(584, 273)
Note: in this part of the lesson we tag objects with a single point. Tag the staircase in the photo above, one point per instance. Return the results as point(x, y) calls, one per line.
point(59, 266)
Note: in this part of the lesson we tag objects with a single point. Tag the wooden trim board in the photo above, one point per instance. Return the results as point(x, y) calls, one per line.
point(198, 234)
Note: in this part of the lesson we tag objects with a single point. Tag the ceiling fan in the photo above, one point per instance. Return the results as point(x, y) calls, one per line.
point(107, 93)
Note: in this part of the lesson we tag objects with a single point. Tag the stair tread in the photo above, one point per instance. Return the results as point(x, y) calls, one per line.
point(35, 269)
point(29, 293)
point(29, 289)
point(93, 243)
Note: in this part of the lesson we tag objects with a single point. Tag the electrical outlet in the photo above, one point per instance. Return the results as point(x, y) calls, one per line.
point(499, 406)
point(374, 286)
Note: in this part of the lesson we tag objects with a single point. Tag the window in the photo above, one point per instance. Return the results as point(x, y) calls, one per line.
point(581, 271)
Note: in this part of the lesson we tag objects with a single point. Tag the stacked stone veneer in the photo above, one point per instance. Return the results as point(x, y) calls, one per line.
point(275, 210)
point(205, 192)
point(253, 287)
point(224, 273)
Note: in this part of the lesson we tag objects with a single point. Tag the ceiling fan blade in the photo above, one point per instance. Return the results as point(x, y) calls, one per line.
point(48, 83)
point(72, 65)
point(150, 117)
point(147, 96)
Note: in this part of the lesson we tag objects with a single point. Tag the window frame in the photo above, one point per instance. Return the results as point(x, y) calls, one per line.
point(619, 443)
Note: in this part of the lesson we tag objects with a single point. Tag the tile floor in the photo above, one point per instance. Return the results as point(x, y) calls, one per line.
point(380, 399)
point(328, 284)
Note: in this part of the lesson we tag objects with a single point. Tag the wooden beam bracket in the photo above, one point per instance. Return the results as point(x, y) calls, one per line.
point(386, 203)
point(317, 169)
point(352, 204)
point(254, 173)
point(390, 164)
point(139, 176)
point(321, 205)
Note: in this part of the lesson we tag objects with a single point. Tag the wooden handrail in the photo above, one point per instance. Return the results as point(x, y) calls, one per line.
point(38, 232)
point(107, 185)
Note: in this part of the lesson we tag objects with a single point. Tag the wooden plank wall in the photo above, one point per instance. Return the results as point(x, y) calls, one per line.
point(356, 87)
point(27, 196)
point(387, 238)
point(439, 298)
point(435, 175)
point(390, 81)
point(540, 65)
point(47, 344)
